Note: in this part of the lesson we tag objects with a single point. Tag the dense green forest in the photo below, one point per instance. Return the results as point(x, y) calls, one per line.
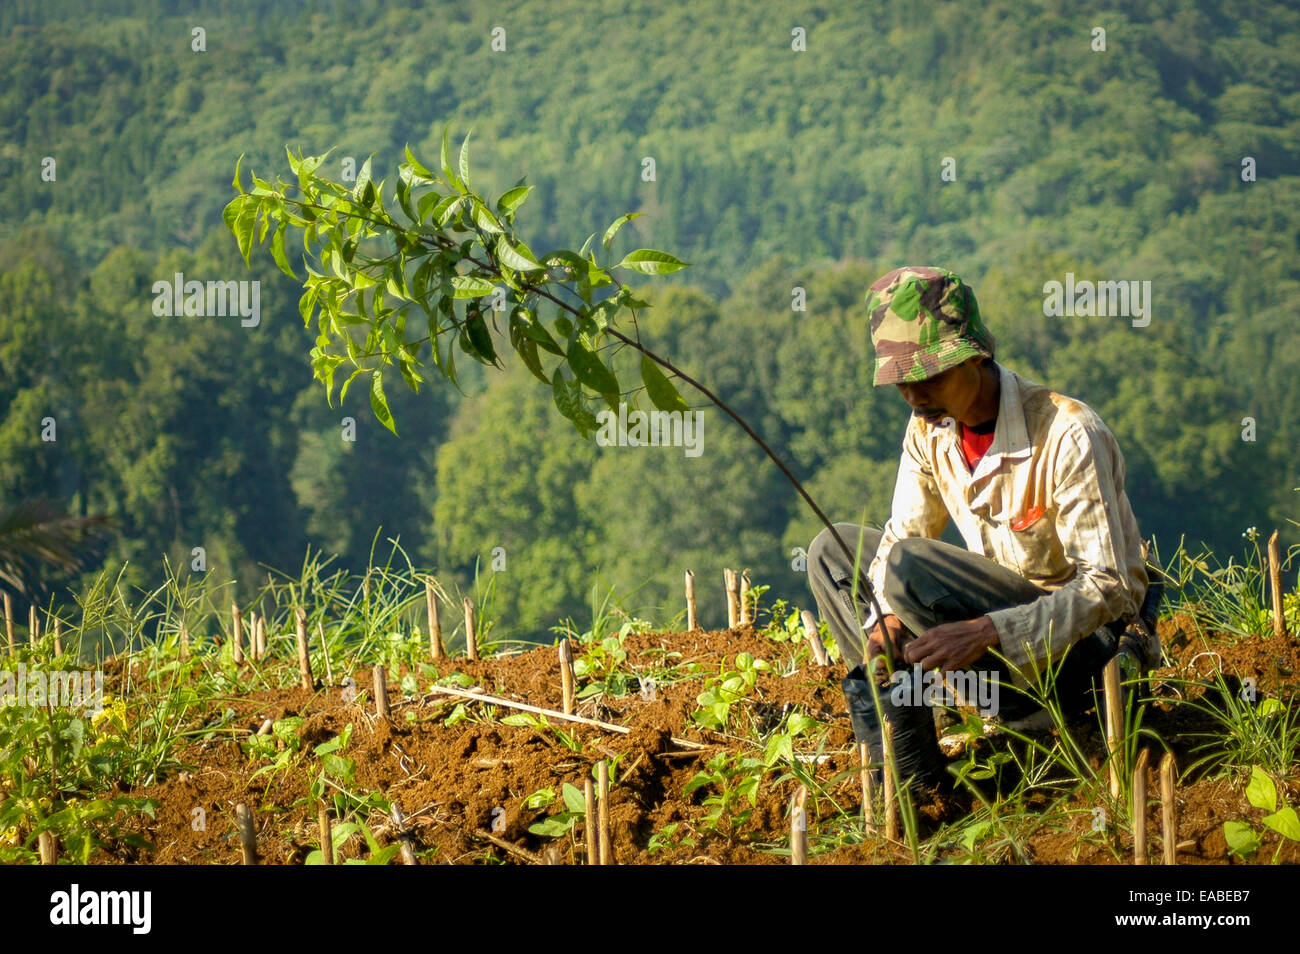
point(991, 138)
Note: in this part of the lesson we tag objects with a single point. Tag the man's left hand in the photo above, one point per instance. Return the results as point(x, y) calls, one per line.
point(952, 645)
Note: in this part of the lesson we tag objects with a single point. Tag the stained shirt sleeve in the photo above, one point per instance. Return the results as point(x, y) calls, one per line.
point(1088, 476)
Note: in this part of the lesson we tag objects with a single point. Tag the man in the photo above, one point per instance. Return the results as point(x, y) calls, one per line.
point(1054, 571)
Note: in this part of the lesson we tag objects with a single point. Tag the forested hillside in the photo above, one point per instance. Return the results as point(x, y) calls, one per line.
point(993, 139)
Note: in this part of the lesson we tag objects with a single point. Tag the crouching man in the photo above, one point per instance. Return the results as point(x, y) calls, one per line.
point(1053, 574)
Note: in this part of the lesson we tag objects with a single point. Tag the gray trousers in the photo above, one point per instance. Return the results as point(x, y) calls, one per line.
point(928, 582)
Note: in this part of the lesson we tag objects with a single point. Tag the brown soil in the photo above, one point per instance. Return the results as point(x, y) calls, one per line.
point(453, 782)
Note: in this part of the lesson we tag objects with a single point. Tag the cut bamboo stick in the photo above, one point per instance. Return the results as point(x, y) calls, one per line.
point(304, 651)
point(58, 637)
point(1140, 808)
point(733, 598)
point(471, 641)
point(745, 615)
point(1275, 584)
point(891, 805)
point(690, 600)
point(247, 833)
point(1114, 724)
point(185, 641)
point(326, 835)
point(325, 653)
point(566, 676)
point(602, 812)
point(525, 707)
point(9, 621)
point(1168, 809)
point(33, 626)
point(798, 827)
point(236, 634)
point(260, 626)
point(814, 638)
point(48, 848)
point(381, 692)
point(593, 837)
point(403, 835)
point(435, 627)
point(868, 793)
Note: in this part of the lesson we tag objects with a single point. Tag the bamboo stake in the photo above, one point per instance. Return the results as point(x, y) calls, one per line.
point(566, 676)
point(9, 621)
point(1275, 584)
point(690, 600)
point(1114, 723)
point(326, 835)
point(381, 692)
point(33, 626)
point(1168, 810)
point(48, 848)
point(185, 641)
point(58, 637)
point(814, 638)
point(593, 844)
point(435, 627)
point(325, 653)
point(891, 805)
point(744, 597)
point(1140, 808)
point(733, 598)
point(403, 835)
point(471, 641)
point(247, 833)
point(868, 795)
point(237, 634)
point(798, 827)
point(525, 707)
point(304, 652)
point(260, 626)
point(602, 812)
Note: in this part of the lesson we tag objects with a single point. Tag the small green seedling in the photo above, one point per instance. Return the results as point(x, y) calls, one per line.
point(1243, 840)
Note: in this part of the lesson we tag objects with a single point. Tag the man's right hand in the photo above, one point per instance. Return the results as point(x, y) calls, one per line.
point(890, 627)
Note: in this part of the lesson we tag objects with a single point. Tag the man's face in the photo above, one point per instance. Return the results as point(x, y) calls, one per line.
point(948, 394)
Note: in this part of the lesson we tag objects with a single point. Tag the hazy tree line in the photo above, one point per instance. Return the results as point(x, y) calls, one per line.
point(774, 171)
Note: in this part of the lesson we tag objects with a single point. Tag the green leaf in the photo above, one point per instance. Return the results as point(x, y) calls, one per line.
point(379, 403)
point(533, 329)
point(445, 161)
point(651, 262)
point(1241, 838)
point(470, 286)
point(568, 399)
point(661, 391)
point(484, 219)
point(574, 800)
point(480, 337)
point(514, 258)
point(618, 224)
point(235, 181)
point(277, 251)
point(591, 371)
point(1284, 822)
point(464, 160)
point(1260, 791)
point(512, 199)
point(416, 167)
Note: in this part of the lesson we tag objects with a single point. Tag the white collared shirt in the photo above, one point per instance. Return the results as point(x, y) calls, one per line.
point(1050, 453)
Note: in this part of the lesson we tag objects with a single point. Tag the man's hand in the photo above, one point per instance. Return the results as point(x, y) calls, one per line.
point(892, 627)
point(952, 645)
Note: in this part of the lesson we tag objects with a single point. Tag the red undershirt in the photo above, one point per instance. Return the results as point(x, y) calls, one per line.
point(974, 442)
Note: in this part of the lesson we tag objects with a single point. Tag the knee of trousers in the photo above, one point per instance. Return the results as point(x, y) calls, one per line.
point(824, 550)
point(909, 572)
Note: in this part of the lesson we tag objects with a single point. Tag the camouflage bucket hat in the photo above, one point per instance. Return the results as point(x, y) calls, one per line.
point(924, 320)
